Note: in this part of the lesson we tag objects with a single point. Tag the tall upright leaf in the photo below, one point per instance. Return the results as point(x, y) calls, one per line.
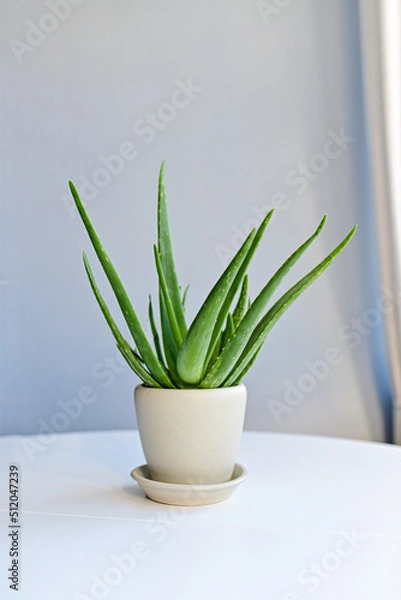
point(166, 255)
point(172, 317)
point(145, 349)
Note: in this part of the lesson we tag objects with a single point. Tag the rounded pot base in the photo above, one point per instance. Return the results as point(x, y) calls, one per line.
point(179, 494)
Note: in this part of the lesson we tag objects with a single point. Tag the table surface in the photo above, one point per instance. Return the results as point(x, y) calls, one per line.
point(317, 518)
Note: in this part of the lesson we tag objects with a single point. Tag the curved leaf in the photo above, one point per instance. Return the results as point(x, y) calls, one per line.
point(272, 316)
point(122, 344)
point(235, 345)
point(155, 368)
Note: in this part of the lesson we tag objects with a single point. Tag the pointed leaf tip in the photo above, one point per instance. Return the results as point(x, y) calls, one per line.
point(321, 224)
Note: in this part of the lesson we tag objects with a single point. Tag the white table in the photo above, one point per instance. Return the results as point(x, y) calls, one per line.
point(317, 518)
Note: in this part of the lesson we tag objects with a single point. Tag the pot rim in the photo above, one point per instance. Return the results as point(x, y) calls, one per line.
point(199, 391)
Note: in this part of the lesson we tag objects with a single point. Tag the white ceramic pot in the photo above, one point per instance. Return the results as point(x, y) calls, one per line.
point(190, 436)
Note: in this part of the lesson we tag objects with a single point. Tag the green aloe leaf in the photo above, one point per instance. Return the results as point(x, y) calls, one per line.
point(168, 302)
point(217, 349)
point(184, 297)
point(272, 316)
point(122, 344)
point(240, 308)
point(237, 380)
point(229, 330)
point(170, 348)
point(155, 333)
point(137, 356)
point(165, 249)
point(236, 284)
point(153, 364)
point(239, 339)
point(192, 354)
point(143, 375)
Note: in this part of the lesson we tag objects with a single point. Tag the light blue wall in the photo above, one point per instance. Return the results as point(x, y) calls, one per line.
point(269, 92)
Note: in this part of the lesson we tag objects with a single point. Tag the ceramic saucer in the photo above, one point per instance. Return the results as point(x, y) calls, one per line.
point(188, 495)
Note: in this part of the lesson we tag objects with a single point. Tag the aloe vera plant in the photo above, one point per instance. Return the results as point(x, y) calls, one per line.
point(226, 335)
